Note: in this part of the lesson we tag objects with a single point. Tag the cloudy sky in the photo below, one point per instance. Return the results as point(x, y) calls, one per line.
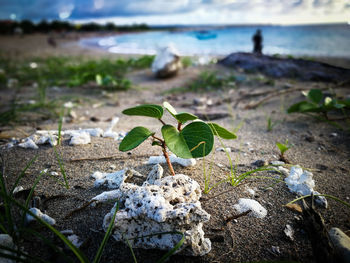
point(162, 12)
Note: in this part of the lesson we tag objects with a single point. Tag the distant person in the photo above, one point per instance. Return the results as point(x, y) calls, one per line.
point(51, 41)
point(257, 40)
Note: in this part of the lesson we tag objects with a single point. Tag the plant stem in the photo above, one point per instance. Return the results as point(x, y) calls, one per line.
point(162, 121)
point(179, 126)
point(157, 138)
point(168, 160)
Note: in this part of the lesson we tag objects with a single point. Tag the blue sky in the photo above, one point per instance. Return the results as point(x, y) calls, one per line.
point(180, 11)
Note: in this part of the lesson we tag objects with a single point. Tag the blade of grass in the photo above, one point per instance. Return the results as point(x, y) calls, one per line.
point(173, 250)
point(7, 205)
point(23, 172)
point(48, 242)
point(131, 250)
point(60, 122)
point(325, 195)
point(82, 258)
point(29, 197)
point(23, 257)
point(61, 167)
point(106, 237)
point(170, 252)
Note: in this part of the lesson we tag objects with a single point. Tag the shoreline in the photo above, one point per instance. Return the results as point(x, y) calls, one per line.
point(36, 45)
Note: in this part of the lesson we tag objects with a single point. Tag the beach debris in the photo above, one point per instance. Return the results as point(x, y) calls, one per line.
point(222, 149)
point(12, 83)
point(6, 241)
point(17, 189)
point(41, 215)
point(68, 104)
point(75, 240)
point(155, 174)
point(295, 208)
point(109, 131)
point(67, 232)
point(28, 144)
point(173, 158)
point(276, 163)
point(250, 191)
point(205, 60)
point(260, 163)
point(50, 137)
point(300, 181)
point(341, 243)
point(167, 62)
point(76, 137)
point(276, 250)
point(106, 196)
point(95, 132)
point(257, 210)
point(113, 180)
point(171, 203)
point(289, 232)
point(201, 101)
point(283, 170)
point(80, 138)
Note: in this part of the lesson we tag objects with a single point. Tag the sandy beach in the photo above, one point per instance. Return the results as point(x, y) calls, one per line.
point(318, 146)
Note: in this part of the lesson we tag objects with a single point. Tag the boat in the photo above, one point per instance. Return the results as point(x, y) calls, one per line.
point(204, 35)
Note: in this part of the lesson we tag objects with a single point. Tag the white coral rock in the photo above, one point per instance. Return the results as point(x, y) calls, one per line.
point(28, 144)
point(80, 138)
point(174, 159)
point(113, 180)
point(170, 205)
point(300, 181)
point(257, 210)
point(41, 215)
point(167, 62)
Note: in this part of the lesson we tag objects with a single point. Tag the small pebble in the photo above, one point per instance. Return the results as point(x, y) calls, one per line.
point(276, 250)
point(277, 163)
point(289, 232)
point(333, 134)
point(260, 163)
point(221, 149)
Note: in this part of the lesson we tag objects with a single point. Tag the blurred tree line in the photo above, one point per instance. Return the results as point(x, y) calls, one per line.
point(28, 27)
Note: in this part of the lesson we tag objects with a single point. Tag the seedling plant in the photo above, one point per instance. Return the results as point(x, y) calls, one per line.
point(194, 140)
point(283, 147)
point(319, 106)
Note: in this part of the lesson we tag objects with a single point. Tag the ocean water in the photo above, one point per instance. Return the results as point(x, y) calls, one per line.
point(325, 40)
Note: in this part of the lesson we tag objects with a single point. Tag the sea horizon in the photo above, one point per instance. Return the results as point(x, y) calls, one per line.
point(326, 40)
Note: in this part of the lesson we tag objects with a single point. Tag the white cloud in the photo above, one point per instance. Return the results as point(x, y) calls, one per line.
point(184, 11)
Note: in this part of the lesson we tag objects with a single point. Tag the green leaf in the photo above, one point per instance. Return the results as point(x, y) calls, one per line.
point(134, 138)
point(221, 131)
point(175, 142)
point(283, 147)
point(199, 138)
point(99, 80)
point(315, 95)
point(169, 108)
point(156, 143)
point(303, 106)
point(181, 117)
point(184, 117)
point(149, 110)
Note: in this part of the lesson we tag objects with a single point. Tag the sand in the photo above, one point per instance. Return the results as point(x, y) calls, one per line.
point(315, 145)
